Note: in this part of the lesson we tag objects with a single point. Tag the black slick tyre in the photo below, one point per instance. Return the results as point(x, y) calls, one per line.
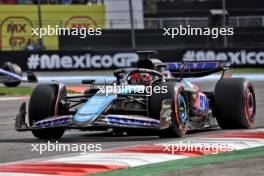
point(42, 105)
point(235, 103)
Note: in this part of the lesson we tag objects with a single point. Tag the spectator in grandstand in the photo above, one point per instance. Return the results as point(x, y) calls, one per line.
point(66, 1)
point(92, 2)
point(24, 2)
point(41, 1)
point(54, 1)
point(8, 1)
point(29, 45)
point(40, 45)
point(79, 1)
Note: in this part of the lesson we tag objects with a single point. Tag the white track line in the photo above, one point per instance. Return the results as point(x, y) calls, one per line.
point(125, 159)
point(13, 98)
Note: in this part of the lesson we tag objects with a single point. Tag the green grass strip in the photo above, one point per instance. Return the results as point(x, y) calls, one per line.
point(15, 90)
point(248, 70)
point(171, 166)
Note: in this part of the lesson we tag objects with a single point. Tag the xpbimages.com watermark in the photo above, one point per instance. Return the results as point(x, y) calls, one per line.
point(197, 31)
point(187, 146)
point(62, 147)
point(50, 31)
point(132, 89)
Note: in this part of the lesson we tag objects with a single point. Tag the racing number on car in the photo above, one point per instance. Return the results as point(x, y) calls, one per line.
point(203, 103)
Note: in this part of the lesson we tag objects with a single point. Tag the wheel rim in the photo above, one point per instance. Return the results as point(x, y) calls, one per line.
point(182, 110)
point(250, 105)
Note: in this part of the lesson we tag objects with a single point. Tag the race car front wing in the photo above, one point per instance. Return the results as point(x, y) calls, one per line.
point(67, 121)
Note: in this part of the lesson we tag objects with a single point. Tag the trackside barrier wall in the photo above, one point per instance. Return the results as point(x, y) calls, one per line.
point(112, 59)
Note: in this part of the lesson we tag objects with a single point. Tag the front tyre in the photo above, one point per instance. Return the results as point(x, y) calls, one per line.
point(44, 103)
point(235, 103)
point(179, 116)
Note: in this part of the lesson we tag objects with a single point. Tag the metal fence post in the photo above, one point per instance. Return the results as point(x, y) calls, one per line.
point(133, 41)
point(224, 21)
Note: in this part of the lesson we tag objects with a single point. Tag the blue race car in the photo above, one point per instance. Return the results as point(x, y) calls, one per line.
point(152, 96)
point(11, 75)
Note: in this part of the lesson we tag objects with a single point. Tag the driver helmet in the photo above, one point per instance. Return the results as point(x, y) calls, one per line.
point(141, 78)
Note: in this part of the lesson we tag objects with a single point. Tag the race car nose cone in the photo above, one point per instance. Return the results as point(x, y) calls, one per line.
point(92, 109)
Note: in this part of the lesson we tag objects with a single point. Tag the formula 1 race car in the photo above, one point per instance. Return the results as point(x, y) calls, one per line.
point(11, 75)
point(153, 96)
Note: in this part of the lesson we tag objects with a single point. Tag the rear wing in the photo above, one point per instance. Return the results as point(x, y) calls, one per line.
point(188, 69)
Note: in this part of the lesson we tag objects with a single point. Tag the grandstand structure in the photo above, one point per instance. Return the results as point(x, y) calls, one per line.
point(149, 19)
point(241, 13)
point(245, 16)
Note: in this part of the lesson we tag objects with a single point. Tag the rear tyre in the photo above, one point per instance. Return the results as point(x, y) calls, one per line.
point(235, 103)
point(42, 105)
point(179, 116)
point(13, 68)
